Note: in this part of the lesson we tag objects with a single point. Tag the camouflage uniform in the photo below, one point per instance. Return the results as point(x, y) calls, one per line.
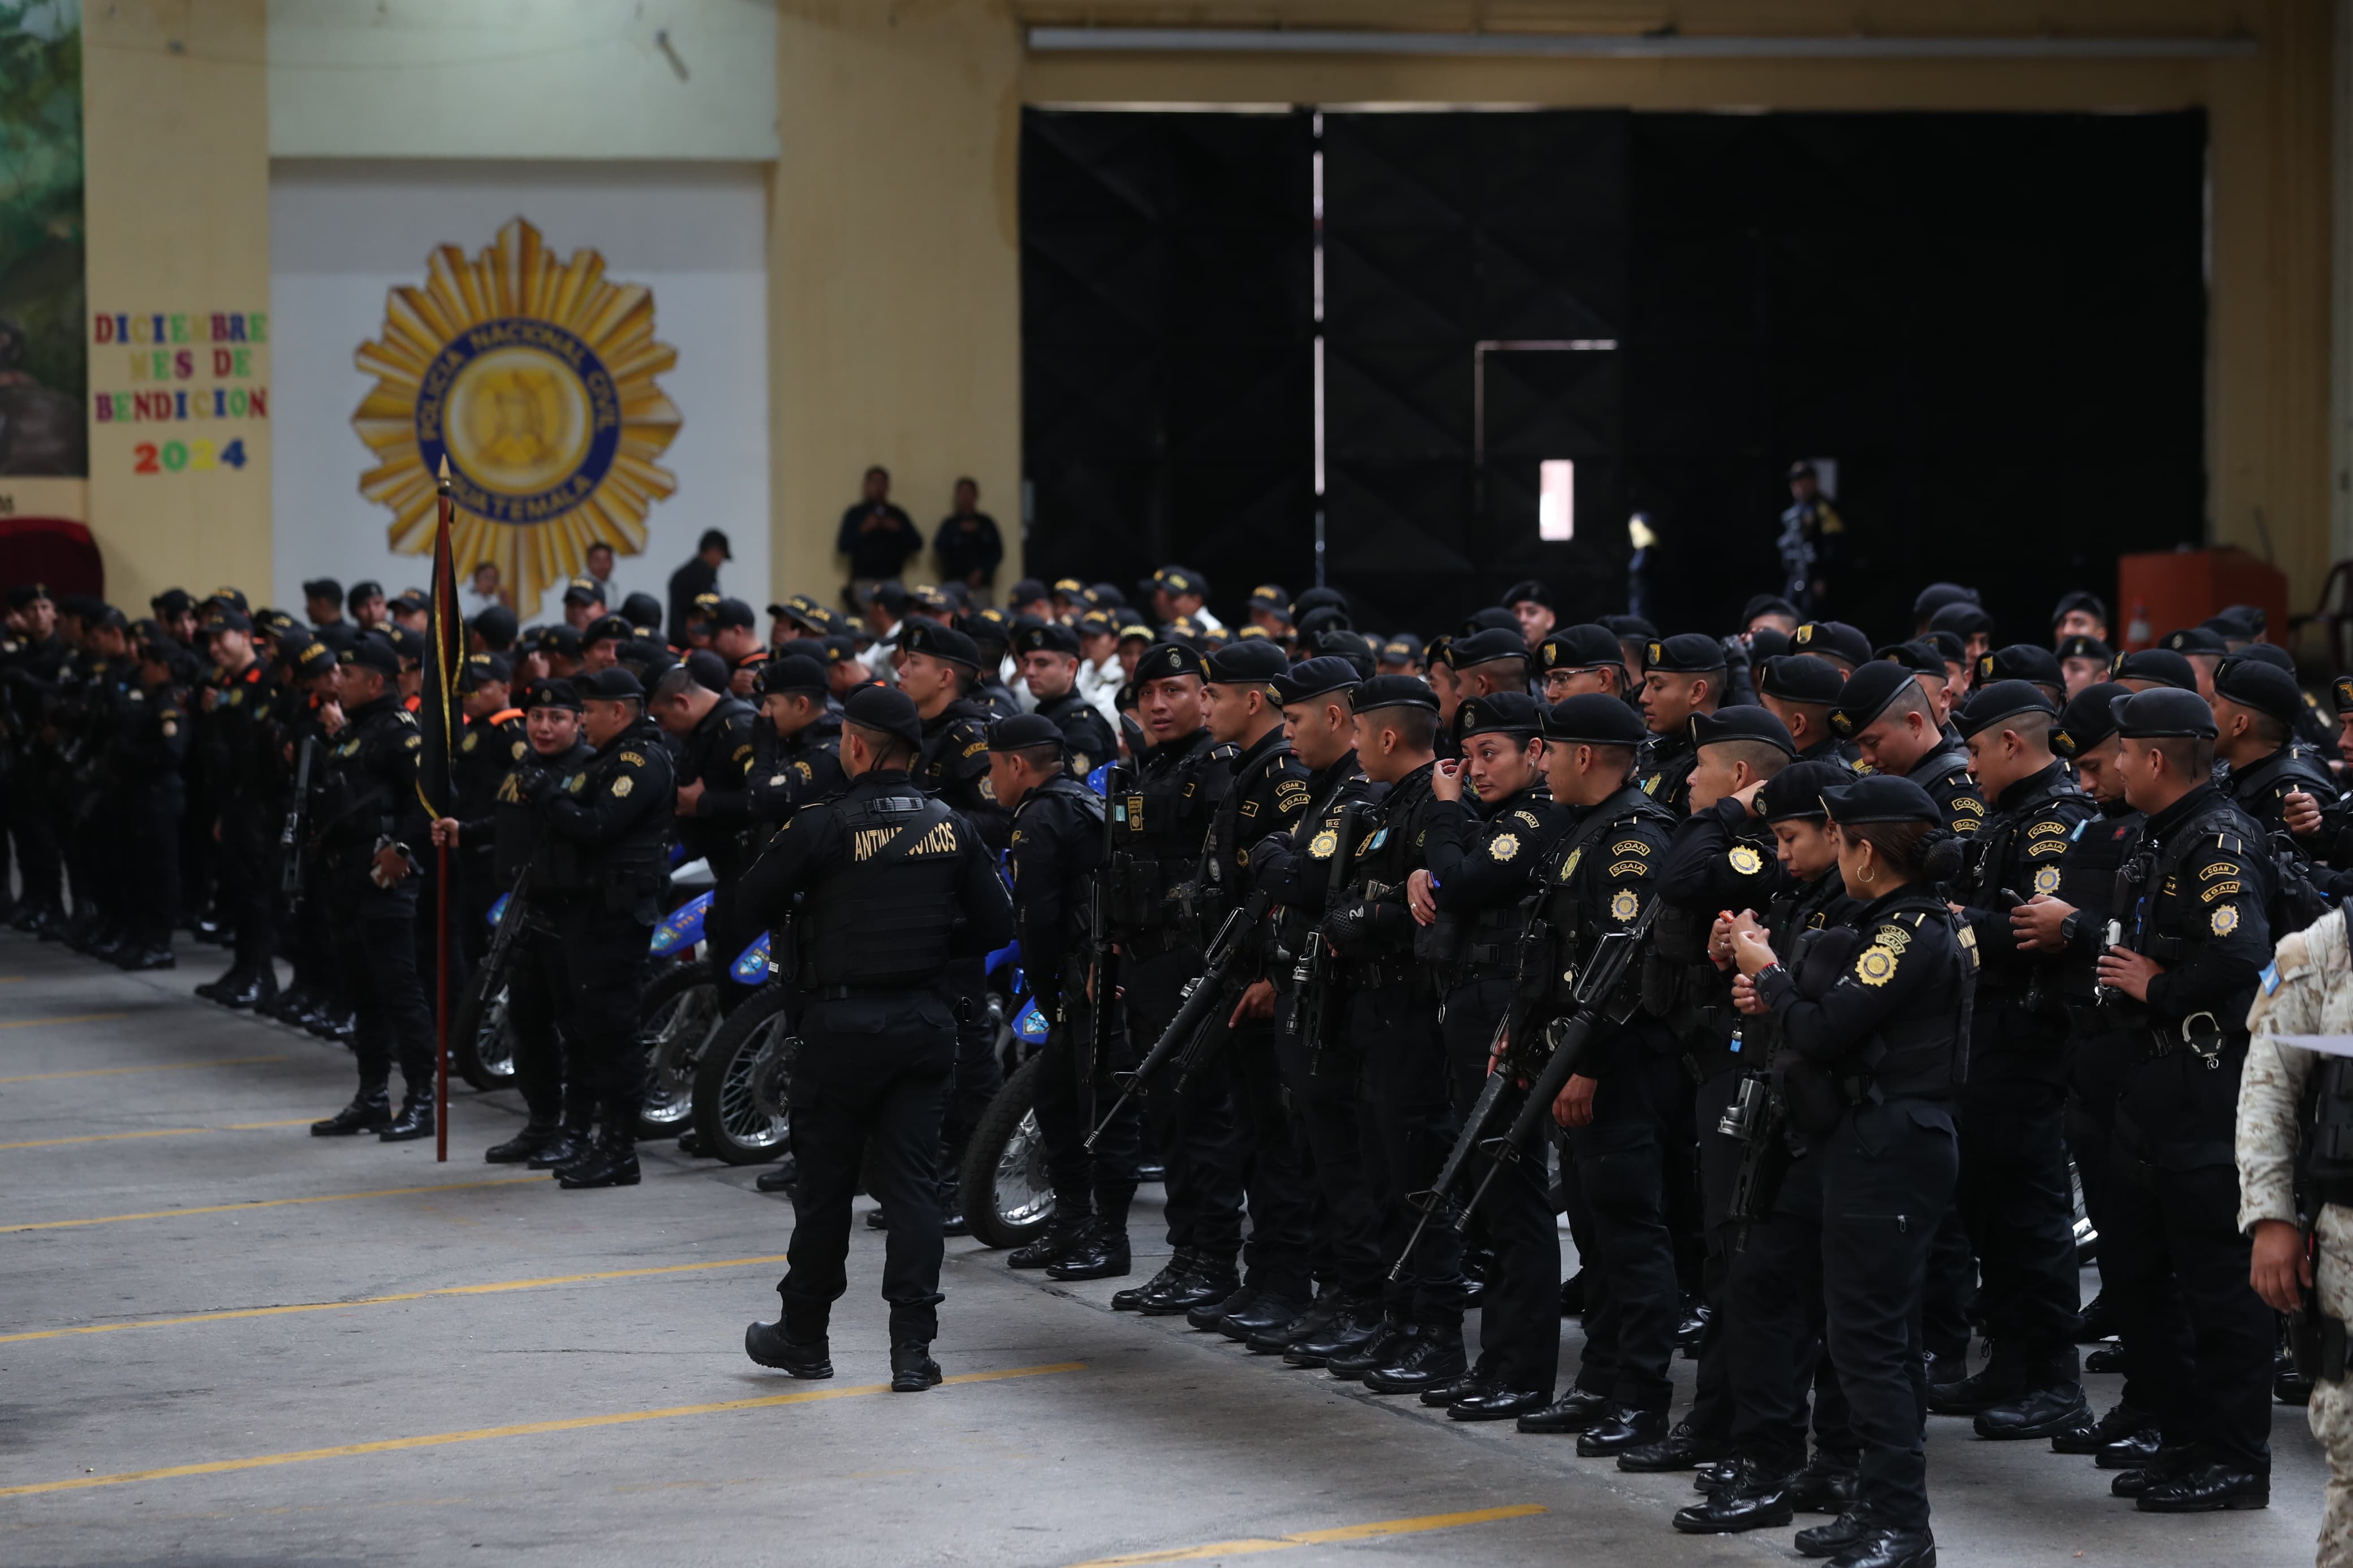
point(2308, 992)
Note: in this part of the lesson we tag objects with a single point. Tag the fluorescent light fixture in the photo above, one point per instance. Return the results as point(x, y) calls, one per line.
point(1557, 501)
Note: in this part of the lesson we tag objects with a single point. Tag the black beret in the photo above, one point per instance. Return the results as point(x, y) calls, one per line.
point(1965, 619)
point(372, 652)
point(1530, 592)
point(2162, 712)
point(1744, 723)
point(2247, 622)
point(160, 649)
point(611, 685)
point(794, 672)
point(1439, 650)
point(887, 708)
point(1162, 660)
point(2159, 664)
point(1315, 677)
point(1686, 653)
point(2082, 647)
point(1936, 595)
point(2088, 718)
point(1922, 657)
point(1835, 637)
point(1989, 705)
point(1395, 691)
point(1046, 637)
point(2271, 654)
point(1023, 730)
point(1594, 718)
point(552, 694)
point(1947, 643)
point(2020, 661)
point(1586, 647)
point(1767, 605)
point(497, 625)
point(608, 628)
point(1795, 792)
point(1747, 722)
point(1867, 693)
point(1320, 598)
point(583, 591)
point(562, 641)
point(1491, 646)
point(2080, 600)
point(708, 669)
point(936, 641)
point(1879, 797)
point(1504, 713)
point(1633, 627)
point(1253, 662)
point(2250, 683)
point(1768, 642)
point(1795, 678)
point(481, 666)
point(2193, 639)
point(2340, 692)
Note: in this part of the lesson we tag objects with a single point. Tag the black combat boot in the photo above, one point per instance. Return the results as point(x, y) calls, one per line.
point(1572, 1413)
point(1619, 1430)
point(1102, 1253)
point(536, 1137)
point(612, 1161)
point(1352, 1322)
point(1264, 1310)
point(1205, 1315)
point(369, 1112)
point(2208, 1488)
point(242, 992)
point(1434, 1356)
point(769, 1345)
point(912, 1369)
point(1827, 1485)
point(1757, 1498)
point(781, 1177)
point(1311, 1321)
point(1389, 1343)
point(2053, 1405)
point(1682, 1449)
point(1066, 1227)
point(415, 1121)
point(1209, 1280)
point(136, 957)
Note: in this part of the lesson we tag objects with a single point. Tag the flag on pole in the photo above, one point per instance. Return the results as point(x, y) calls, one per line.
point(437, 713)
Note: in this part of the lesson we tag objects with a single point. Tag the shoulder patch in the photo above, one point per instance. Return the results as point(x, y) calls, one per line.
point(520, 748)
point(1969, 803)
point(471, 741)
point(411, 741)
point(1629, 869)
point(1875, 964)
point(1892, 936)
point(2219, 868)
point(1629, 846)
point(633, 759)
point(1745, 860)
point(2047, 847)
point(1504, 845)
point(2219, 890)
point(2045, 827)
point(2224, 919)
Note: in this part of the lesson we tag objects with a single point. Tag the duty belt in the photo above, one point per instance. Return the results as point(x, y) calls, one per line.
point(2201, 1034)
point(1379, 974)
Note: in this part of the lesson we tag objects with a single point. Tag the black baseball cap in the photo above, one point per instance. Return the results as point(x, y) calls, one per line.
point(708, 669)
point(733, 613)
point(610, 685)
point(372, 652)
point(496, 627)
point(481, 666)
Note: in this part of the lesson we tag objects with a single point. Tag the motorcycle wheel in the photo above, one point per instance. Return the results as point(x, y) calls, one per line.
point(481, 1043)
point(742, 1106)
point(1005, 1197)
point(675, 1015)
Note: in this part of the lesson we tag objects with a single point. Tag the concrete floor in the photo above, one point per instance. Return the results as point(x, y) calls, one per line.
point(495, 1371)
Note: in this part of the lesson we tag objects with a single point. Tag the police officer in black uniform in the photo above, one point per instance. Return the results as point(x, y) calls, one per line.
point(1160, 823)
point(1319, 722)
point(1580, 658)
point(1881, 1006)
point(1492, 824)
point(1800, 690)
point(2255, 708)
point(246, 772)
point(1058, 853)
point(365, 816)
point(504, 833)
point(494, 740)
point(798, 754)
point(31, 671)
point(1885, 713)
point(1050, 665)
point(895, 880)
point(2191, 900)
point(2014, 1198)
point(1624, 1105)
point(1682, 676)
point(151, 744)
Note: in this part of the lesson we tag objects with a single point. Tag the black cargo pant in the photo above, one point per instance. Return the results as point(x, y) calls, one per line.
point(979, 1073)
point(2014, 1196)
point(373, 933)
point(249, 883)
point(1772, 1321)
point(1345, 1233)
point(551, 1088)
point(1407, 1125)
point(867, 1087)
point(1887, 1175)
point(147, 864)
point(2097, 1063)
point(1519, 1310)
point(1718, 1164)
point(2202, 1348)
point(32, 824)
point(1278, 1257)
point(1639, 1114)
point(1102, 1182)
point(1192, 1127)
point(604, 956)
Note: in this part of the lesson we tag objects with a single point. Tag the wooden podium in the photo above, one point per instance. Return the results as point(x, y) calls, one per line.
point(2164, 593)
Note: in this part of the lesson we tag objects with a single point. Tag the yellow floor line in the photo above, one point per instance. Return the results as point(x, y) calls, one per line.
point(155, 1133)
point(272, 1204)
point(531, 1430)
point(110, 1072)
point(489, 1289)
point(1378, 1530)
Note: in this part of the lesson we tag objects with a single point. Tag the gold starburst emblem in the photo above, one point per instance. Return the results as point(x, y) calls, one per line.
point(535, 379)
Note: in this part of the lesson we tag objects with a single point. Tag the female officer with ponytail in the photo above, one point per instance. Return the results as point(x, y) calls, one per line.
point(1882, 1006)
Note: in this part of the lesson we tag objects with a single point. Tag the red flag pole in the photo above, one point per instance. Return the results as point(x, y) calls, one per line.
point(438, 628)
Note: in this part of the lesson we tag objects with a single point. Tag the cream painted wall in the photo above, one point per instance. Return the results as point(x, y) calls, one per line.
point(522, 79)
point(177, 204)
point(894, 296)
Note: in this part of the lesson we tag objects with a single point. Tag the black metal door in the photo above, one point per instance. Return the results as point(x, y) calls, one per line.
point(1166, 331)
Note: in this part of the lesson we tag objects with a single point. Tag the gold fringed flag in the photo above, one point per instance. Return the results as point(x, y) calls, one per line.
point(437, 714)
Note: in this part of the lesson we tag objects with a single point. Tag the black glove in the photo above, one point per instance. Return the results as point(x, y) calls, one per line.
point(531, 782)
point(1349, 929)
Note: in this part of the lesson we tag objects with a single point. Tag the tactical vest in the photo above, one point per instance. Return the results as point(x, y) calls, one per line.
point(1569, 928)
point(1925, 1055)
point(1158, 834)
point(1225, 824)
point(882, 918)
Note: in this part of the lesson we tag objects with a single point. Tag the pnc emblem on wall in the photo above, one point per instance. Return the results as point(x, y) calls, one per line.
point(535, 379)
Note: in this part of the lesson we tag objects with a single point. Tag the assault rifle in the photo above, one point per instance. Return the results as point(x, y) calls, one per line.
point(1317, 972)
point(1103, 959)
point(1200, 1023)
point(492, 972)
point(289, 838)
point(1598, 984)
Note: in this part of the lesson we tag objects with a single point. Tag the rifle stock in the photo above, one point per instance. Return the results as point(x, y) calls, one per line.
point(1315, 973)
